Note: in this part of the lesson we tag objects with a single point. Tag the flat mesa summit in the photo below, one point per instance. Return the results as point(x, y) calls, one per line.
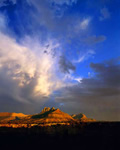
point(48, 116)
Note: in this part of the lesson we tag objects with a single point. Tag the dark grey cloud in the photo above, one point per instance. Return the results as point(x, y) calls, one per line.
point(100, 92)
point(97, 96)
point(94, 39)
point(66, 65)
point(14, 98)
point(108, 74)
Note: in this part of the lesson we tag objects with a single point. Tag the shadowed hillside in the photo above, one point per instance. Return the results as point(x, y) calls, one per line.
point(6, 116)
point(82, 117)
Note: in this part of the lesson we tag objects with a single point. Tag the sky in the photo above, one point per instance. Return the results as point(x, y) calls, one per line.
point(60, 53)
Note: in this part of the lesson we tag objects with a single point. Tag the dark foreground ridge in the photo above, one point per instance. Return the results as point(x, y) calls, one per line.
point(94, 135)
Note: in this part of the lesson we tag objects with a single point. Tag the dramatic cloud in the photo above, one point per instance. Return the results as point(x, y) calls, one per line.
point(42, 45)
point(29, 75)
point(26, 66)
point(105, 14)
point(97, 91)
point(66, 65)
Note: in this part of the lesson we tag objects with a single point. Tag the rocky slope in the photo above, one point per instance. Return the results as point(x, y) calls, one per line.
point(48, 116)
point(82, 118)
point(6, 116)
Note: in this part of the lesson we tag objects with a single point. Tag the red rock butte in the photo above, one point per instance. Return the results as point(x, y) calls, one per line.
point(47, 117)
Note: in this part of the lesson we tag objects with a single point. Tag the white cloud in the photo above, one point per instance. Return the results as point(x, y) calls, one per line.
point(70, 77)
point(30, 65)
point(82, 25)
point(25, 65)
point(85, 23)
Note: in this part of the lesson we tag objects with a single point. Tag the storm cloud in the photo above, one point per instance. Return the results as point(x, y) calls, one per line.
point(46, 50)
point(65, 65)
point(99, 92)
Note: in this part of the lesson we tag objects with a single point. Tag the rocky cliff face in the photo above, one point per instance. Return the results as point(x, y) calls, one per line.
point(47, 109)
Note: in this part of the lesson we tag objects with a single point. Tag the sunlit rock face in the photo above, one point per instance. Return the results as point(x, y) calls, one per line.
point(6, 116)
point(49, 116)
point(82, 117)
point(45, 109)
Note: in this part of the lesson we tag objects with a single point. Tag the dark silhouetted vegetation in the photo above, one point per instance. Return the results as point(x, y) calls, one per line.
point(94, 135)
